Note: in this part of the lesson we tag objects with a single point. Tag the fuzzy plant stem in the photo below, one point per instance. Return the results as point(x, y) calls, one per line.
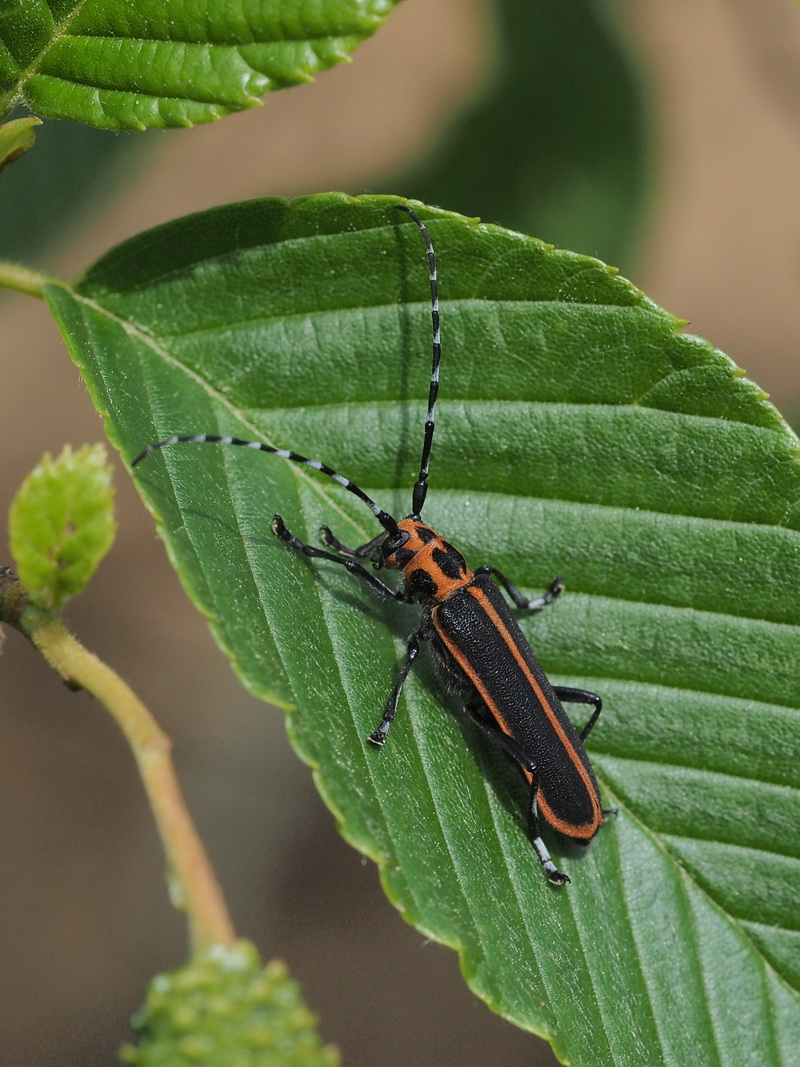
point(193, 885)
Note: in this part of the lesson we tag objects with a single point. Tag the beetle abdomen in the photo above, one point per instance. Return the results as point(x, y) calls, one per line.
point(475, 630)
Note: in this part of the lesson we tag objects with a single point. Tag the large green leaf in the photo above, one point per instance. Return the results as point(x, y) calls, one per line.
point(130, 64)
point(579, 433)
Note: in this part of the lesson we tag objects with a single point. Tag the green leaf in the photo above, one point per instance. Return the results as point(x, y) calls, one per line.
point(223, 1009)
point(62, 523)
point(579, 433)
point(144, 63)
point(16, 137)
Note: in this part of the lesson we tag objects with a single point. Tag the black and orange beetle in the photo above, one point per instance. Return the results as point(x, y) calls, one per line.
point(477, 644)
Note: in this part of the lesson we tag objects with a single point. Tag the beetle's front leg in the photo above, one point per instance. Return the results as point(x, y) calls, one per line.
point(379, 735)
point(554, 590)
point(377, 587)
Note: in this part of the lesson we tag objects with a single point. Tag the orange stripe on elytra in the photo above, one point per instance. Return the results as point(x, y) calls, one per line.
point(584, 830)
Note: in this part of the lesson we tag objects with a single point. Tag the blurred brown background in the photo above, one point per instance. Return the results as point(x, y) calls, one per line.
point(84, 915)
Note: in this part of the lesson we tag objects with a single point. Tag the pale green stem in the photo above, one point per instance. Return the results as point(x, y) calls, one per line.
point(23, 279)
point(192, 877)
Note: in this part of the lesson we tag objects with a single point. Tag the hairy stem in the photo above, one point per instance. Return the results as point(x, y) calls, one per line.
point(193, 884)
point(23, 279)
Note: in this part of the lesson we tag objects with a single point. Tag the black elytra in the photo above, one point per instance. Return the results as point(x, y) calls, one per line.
point(477, 643)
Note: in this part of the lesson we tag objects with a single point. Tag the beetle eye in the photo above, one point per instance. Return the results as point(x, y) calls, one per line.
point(394, 542)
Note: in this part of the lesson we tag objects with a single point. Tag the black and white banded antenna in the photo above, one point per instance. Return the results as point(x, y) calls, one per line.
point(420, 490)
point(384, 518)
point(421, 486)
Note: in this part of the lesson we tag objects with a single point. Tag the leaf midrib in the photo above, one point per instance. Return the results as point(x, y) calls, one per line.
point(60, 30)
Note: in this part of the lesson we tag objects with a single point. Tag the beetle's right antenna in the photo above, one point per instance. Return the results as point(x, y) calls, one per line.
point(421, 485)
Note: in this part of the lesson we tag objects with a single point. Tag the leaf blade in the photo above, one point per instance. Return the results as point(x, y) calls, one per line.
point(134, 66)
point(306, 325)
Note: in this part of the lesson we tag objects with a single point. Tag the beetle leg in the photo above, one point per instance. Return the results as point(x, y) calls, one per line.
point(584, 696)
point(377, 587)
point(581, 696)
point(379, 735)
point(554, 590)
point(362, 552)
point(509, 745)
point(552, 873)
point(496, 735)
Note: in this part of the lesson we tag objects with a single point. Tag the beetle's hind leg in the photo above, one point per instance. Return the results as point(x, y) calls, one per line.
point(552, 873)
point(568, 695)
point(509, 745)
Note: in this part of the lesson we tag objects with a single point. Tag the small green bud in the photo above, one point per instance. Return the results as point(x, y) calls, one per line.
point(62, 523)
point(16, 137)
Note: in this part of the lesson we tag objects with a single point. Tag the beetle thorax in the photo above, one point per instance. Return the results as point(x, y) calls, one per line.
point(432, 568)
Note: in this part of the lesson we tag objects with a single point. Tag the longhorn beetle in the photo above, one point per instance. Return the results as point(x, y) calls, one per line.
point(476, 641)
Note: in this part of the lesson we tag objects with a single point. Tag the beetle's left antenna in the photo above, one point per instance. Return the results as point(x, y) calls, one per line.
point(387, 521)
